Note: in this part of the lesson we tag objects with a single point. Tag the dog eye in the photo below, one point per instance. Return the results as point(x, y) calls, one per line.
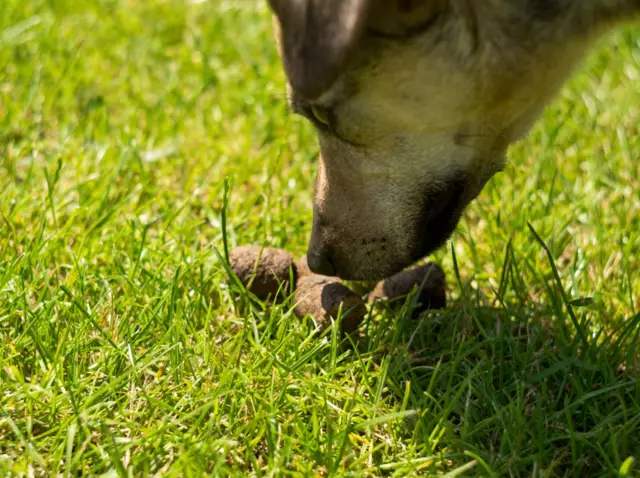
point(320, 115)
point(321, 118)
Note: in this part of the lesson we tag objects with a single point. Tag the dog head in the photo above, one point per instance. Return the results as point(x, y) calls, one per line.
point(415, 103)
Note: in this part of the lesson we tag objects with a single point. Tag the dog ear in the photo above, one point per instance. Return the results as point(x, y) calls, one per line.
point(316, 39)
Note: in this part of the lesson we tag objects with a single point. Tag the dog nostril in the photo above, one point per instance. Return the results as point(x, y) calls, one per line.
point(320, 263)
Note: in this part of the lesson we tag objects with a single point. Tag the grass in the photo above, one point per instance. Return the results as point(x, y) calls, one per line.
point(125, 349)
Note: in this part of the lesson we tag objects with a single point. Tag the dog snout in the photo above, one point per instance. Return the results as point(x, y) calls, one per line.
point(320, 261)
point(319, 257)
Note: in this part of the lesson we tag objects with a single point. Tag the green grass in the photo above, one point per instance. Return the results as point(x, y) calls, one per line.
point(125, 350)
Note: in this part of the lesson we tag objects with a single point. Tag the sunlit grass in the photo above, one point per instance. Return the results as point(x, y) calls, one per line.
point(123, 348)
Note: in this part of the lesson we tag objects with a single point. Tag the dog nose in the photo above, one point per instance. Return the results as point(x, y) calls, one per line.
point(319, 261)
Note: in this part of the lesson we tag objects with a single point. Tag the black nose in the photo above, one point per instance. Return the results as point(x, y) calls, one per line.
point(319, 262)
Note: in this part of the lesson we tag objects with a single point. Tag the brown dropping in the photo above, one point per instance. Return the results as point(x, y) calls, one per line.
point(323, 297)
point(433, 294)
point(271, 274)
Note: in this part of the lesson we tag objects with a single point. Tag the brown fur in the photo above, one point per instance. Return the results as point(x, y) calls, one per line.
point(422, 99)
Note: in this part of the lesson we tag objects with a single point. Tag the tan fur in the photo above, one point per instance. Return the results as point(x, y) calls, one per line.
point(414, 115)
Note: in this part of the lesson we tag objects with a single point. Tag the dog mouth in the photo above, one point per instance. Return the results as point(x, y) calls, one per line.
point(374, 272)
point(441, 213)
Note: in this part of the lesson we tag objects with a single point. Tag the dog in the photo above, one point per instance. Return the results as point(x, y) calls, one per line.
point(415, 103)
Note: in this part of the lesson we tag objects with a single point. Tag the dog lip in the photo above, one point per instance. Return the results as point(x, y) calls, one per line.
point(437, 224)
point(369, 274)
point(432, 231)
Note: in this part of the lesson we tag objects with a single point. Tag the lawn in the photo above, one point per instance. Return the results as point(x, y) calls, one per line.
point(124, 350)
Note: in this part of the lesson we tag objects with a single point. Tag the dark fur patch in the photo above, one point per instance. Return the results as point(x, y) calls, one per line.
point(441, 211)
point(410, 32)
point(546, 10)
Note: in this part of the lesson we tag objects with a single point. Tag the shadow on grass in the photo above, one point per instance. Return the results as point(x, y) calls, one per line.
point(514, 387)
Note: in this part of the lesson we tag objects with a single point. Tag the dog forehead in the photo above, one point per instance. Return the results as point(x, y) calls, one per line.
point(422, 86)
point(397, 94)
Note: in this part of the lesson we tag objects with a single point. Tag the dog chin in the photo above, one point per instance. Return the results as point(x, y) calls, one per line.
point(372, 272)
point(369, 270)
